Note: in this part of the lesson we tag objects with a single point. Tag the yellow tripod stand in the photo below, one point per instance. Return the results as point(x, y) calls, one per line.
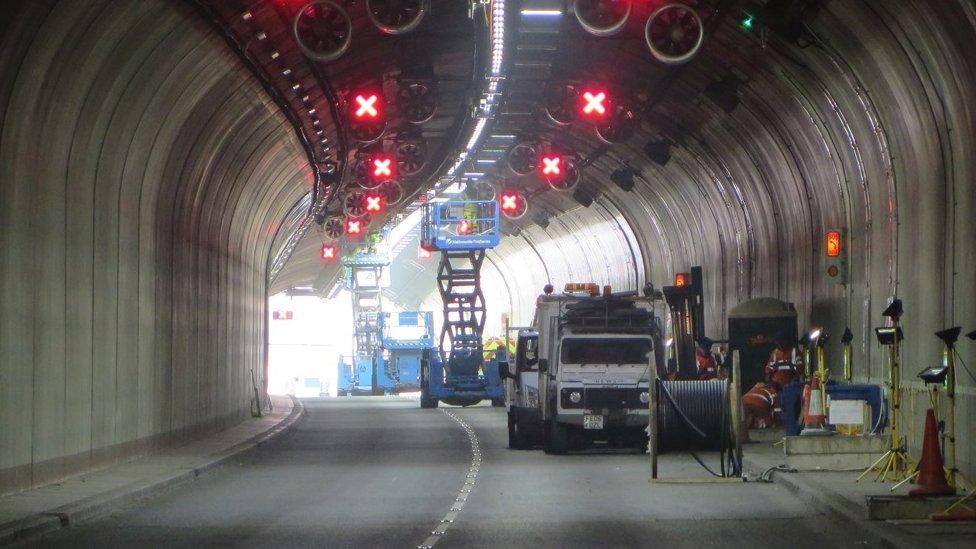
point(895, 463)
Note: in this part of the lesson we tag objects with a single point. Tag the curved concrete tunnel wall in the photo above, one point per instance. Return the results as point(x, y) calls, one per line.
point(142, 176)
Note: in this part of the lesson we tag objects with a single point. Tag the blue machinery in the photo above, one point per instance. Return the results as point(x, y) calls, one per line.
point(406, 337)
point(458, 373)
point(366, 373)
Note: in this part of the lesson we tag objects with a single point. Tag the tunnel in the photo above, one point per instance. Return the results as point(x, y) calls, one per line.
point(167, 166)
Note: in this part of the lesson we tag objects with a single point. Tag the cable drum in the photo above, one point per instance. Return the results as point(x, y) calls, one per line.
point(693, 416)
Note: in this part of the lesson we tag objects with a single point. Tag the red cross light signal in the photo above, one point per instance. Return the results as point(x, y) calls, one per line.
point(328, 252)
point(366, 106)
point(512, 203)
point(594, 104)
point(354, 226)
point(382, 167)
point(551, 165)
point(373, 203)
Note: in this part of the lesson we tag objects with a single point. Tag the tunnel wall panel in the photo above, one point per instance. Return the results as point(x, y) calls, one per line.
point(142, 175)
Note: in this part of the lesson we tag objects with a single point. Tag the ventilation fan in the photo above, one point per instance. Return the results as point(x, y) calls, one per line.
point(411, 155)
point(567, 182)
point(602, 17)
point(480, 190)
point(561, 102)
point(620, 127)
point(522, 158)
point(417, 101)
point(322, 30)
point(392, 192)
point(396, 16)
point(674, 33)
point(361, 172)
point(334, 227)
point(367, 132)
point(353, 203)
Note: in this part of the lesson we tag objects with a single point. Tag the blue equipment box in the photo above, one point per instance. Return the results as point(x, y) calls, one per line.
point(793, 396)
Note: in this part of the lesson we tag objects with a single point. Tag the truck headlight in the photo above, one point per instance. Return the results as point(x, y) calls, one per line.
point(575, 397)
point(643, 397)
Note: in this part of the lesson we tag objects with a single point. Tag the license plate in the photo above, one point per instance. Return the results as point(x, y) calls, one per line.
point(592, 422)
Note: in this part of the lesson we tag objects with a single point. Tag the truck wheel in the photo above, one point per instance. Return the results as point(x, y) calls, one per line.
point(558, 438)
point(516, 437)
point(425, 399)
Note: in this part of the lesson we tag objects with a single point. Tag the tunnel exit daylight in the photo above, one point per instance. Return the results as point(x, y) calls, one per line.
point(487, 273)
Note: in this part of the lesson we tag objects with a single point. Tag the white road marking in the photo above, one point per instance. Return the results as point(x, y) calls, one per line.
point(470, 480)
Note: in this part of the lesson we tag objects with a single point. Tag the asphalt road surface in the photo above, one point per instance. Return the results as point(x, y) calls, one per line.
point(381, 472)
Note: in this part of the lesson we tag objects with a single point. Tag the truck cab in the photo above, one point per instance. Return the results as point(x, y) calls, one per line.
point(597, 387)
point(580, 375)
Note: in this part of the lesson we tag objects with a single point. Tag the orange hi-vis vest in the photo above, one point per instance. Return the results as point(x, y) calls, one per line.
point(783, 366)
point(707, 369)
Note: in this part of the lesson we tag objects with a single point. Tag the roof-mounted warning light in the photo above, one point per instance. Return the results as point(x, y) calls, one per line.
point(578, 287)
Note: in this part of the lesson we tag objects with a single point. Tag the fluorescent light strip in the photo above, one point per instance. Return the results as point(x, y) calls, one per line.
point(541, 13)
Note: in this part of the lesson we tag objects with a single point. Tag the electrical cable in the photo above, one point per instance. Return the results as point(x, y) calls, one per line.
point(961, 361)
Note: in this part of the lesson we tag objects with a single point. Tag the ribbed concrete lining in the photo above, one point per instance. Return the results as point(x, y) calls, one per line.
point(142, 175)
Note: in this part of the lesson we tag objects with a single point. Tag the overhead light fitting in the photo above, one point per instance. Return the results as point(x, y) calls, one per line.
point(623, 178)
point(658, 150)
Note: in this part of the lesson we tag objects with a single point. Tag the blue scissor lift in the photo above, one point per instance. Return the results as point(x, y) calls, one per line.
point(457, 372)
point(407, 336)
point(366, 372)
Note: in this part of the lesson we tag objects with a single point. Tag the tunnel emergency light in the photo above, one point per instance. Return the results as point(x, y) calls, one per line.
point(551, 166)
point(682, 279)
point(328, 252)
point(382, 167)
point(366, 106)
point(593, 104)
point(511, 201)
point(512, 204)
point(354, 226)
point(373, 203)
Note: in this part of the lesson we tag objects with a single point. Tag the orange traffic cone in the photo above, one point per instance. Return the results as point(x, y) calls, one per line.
point(931, 476)
point(814, 420)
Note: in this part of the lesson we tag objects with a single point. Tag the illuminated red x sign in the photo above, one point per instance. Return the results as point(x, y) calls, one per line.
point(328, 251)
point(374, 203)
point(382, 167)
point(354, 226)
point(367, 106)
point(594, 103)
point(510, 202)
point(550, 165)
point(464, 227)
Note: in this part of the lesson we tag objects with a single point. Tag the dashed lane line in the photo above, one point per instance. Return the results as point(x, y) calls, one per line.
point(470, 480)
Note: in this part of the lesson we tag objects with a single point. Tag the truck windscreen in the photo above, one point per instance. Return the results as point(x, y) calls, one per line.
point(605, 351)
